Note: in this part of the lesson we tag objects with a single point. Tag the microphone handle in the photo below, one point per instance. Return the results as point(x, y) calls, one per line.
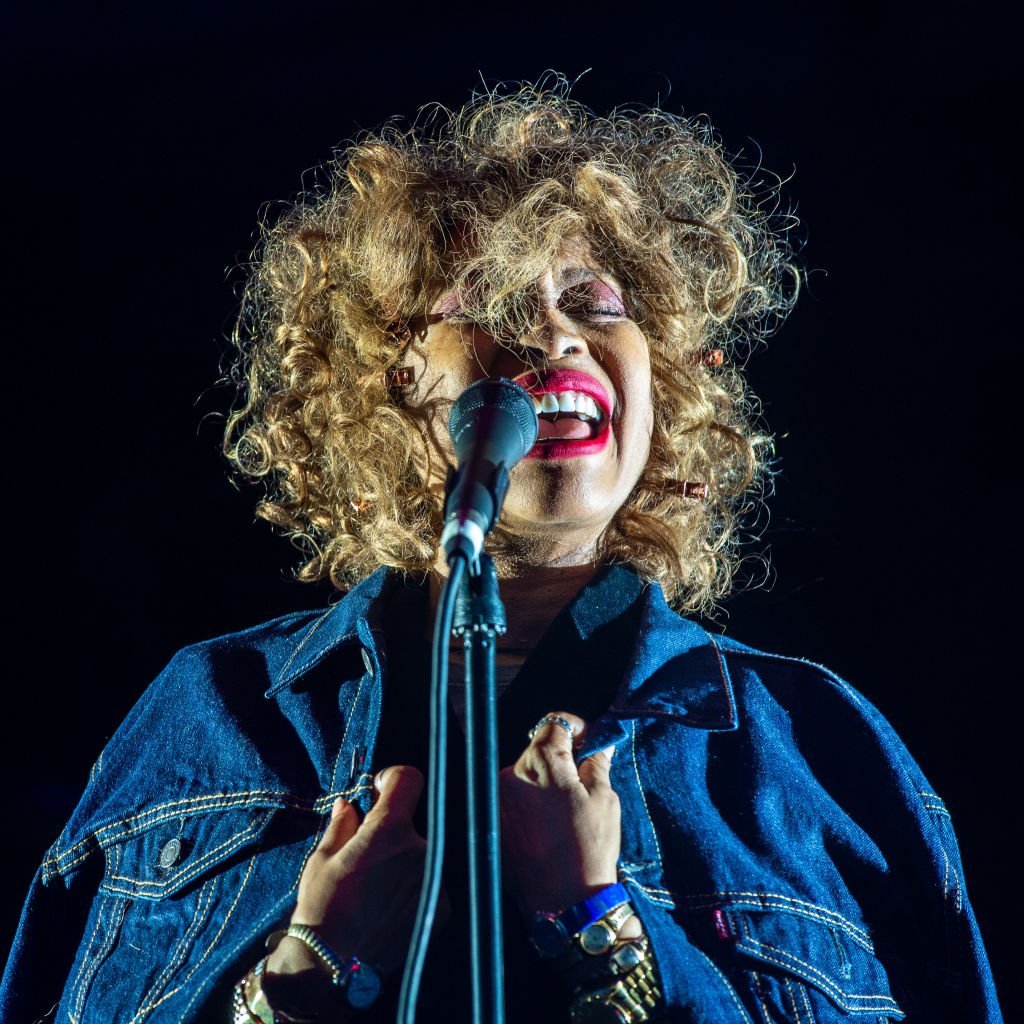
point(475, 494)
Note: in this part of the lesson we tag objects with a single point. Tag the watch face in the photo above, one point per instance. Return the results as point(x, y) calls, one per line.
point(363, 987)
point(597, 938)
point(626, 958)
point(548, 936)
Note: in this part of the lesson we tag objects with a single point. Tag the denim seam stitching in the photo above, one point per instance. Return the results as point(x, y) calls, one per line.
point(846, 999)
point(140, 822)
point(198, 866)
point(733, 713)
point(807, 1004)
point(213, 942)
point(185, 943)
point(788, 902)
point(344, 735)
point(117, 910)
point(725, 981)
point(760, 998)
point(643, 797)
point(77, 997)
point(302, 643)
point(648, 890)
point(247, 938)
point(792, 1001)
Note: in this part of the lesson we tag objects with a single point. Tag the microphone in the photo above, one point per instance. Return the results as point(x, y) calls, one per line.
point(493, 425)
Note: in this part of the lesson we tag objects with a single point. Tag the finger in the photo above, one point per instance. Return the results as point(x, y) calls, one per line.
point(595, 771)
point(553, 734)
point(398, 794)
point(340, 829)
point(548, 758)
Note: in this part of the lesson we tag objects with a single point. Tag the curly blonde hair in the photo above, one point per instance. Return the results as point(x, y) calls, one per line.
point(351, 264)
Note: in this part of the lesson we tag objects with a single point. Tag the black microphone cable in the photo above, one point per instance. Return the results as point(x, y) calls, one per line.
point(436, 790)
point(493, 425)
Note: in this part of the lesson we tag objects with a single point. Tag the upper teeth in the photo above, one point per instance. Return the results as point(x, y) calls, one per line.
point(572, 402)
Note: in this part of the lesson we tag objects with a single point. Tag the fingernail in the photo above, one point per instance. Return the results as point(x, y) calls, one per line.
point(378, 780)
point(610, 751)
point(337, 807)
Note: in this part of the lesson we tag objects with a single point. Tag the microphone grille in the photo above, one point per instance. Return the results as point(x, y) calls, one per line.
point(501, 394)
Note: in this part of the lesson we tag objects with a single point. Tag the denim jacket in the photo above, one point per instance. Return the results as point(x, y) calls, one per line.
point(786, 855)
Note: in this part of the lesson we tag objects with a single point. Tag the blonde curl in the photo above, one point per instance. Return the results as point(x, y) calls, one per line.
point(703, 253)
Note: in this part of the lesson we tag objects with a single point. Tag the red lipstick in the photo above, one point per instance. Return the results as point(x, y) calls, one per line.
point(553, 381)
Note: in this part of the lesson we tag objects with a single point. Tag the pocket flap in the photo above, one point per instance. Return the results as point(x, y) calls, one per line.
point(165, 859)
point(827, 958)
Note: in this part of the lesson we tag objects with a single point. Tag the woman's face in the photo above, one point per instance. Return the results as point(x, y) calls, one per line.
point(587, 366)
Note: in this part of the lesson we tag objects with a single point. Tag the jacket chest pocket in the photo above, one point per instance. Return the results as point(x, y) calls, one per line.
point(172, 899)
point(791, 968)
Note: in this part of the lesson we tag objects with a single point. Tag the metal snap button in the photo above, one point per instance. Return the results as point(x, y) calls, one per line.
point(170, 854)
point(367, 661)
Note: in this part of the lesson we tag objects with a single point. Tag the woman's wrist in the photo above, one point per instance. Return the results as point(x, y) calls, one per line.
point(303, 980)
point(607, 964)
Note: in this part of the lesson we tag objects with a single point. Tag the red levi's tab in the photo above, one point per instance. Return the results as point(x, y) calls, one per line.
point(722, 927)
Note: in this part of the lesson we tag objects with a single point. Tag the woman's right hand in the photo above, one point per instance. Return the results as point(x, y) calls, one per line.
point(360, 887)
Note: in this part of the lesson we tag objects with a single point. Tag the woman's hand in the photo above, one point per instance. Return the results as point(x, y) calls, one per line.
point(361, 885)
point(560, 826)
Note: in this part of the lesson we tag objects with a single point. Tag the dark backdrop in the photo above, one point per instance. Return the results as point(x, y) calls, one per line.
point(141, 144)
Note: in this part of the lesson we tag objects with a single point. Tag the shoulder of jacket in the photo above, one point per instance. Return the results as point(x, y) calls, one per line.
point(806, 687)
point(770, 665)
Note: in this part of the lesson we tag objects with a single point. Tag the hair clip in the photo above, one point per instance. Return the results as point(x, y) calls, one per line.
point(398, 378)
point(687, 488)
point(713, 357)
point(360, 505)
point(400, 331)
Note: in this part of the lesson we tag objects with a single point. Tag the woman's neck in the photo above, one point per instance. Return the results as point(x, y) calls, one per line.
point(533, 596)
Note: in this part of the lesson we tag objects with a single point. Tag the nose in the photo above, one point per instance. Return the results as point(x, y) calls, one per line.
point(554, 335)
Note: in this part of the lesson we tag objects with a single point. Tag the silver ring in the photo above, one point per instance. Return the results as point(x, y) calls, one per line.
point(554, 720)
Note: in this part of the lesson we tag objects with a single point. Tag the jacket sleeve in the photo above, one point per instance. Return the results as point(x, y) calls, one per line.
point(940, 963)
point(44, 948)
point(962, 948)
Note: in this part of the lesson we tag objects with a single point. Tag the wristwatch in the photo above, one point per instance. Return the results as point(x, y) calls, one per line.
point(360, 982)
point(597, 938)
point(551, 933)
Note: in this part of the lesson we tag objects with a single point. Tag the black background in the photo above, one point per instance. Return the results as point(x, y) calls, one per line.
point(141, 144)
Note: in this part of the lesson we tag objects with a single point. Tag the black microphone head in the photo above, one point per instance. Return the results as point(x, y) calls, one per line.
point(497, 413)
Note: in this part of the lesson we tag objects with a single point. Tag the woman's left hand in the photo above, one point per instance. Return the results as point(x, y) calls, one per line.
point(560, 825)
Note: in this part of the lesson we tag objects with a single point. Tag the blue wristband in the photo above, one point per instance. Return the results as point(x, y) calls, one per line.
point(551, 933)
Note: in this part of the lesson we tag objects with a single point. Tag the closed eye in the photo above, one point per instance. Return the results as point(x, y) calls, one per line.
point(592, 299)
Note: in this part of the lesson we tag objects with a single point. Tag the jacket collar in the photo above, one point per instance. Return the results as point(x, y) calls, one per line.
point(675, 670)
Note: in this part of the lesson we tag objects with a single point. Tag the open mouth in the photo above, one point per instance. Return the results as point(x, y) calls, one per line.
point(573, 412)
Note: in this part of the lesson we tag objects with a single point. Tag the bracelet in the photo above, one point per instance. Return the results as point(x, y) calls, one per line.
point(630, 1000)
point(240, 1012)
point(360, 982)
point(598, 937)
point(582, 972)
point(552, 933)
point(249, 1003)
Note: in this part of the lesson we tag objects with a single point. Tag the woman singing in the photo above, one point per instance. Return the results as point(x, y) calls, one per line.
point(693, 830)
